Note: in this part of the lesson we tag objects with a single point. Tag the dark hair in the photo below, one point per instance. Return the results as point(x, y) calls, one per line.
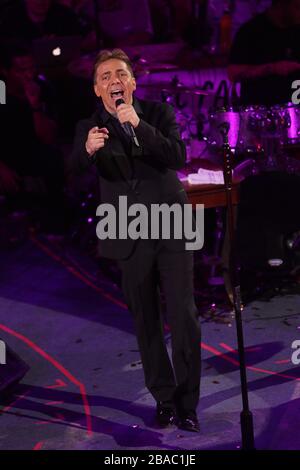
point(106, 54)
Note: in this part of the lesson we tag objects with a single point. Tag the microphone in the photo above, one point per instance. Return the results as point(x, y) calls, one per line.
point(127, 126)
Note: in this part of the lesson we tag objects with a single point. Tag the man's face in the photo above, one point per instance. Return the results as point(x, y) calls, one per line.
point(293, 12)
point(114, 81)
point(38, 7)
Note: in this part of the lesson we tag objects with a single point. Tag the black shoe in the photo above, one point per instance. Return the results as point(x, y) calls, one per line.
point(189, 422)
point(165, 414)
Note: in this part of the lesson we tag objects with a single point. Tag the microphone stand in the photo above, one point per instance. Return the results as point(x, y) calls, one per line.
point(246, 415)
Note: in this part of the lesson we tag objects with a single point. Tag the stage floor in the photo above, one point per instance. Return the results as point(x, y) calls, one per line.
point(85, 386)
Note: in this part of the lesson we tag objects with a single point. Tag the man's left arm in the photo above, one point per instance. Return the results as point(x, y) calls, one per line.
point(164, 143)
point(160, 142)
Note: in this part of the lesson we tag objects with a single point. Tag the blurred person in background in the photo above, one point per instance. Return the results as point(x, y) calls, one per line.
point(31, 163)
point(265, 54)
point(36, 19)
point(125, 22)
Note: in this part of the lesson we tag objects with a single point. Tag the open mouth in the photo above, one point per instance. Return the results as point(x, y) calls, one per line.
point(117, 94)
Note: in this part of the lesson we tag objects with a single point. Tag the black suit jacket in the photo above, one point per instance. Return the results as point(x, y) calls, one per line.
point(155, 161)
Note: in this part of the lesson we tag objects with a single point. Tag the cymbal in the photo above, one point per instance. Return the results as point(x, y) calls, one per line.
point(192, 89)
point(170, 88)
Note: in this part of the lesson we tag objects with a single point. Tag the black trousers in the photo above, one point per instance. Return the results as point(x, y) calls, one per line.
point(150, 266)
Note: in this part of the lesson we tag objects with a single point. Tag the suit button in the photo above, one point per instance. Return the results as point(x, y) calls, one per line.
point(137, 193)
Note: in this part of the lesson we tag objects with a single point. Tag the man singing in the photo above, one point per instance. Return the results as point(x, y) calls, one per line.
point(137, 149)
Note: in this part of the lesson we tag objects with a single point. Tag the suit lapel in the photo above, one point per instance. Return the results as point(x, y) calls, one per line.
point(118, 152)
point(121, 158)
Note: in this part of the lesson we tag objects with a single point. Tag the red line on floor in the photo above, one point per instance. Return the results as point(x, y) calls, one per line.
point(38, 445)
point(121, 304)
point(229, 348)
point(58, 384)
point(235, 362)
point(59, 418)
point(270, 372)
point(8, 407)
point(234, 351)
point(58, 366)
point(76, 273)
point(219, 353)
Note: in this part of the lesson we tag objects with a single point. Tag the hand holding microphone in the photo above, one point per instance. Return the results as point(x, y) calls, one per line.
point(128, 118)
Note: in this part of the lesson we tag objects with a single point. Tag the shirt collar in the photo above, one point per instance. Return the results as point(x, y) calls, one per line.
point(105, 115)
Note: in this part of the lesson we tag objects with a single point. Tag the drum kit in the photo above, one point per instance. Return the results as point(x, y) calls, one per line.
point(268, 135)
point(259, 131)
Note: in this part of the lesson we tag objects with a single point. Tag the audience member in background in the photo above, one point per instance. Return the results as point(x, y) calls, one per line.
point(265, 55)
point(35, 19)
point(25, 84)
point(162, 16)
point(31, 164)
point(9, 180)
point(84, 10)
point(125, 22)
